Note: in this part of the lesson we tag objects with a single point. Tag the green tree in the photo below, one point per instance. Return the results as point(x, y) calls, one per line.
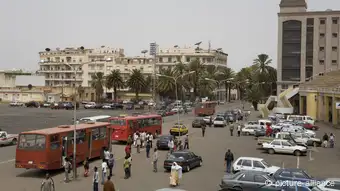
point(198, 68)
point(226, 74)
point(136, 82)
point(115, 81)
point(166, 85)
point(98, 81)
point(253, 95)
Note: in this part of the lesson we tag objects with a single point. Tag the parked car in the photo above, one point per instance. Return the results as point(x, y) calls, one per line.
point(16, 104)
point(70, 105)
point(90, 105)
point(250, 129)
point(294, 175)
point(46, 105)
point(8, 139)
point(32, 104)
point(208, 120)
point(162, 141)
point(186, 159)
point(285, 147)
point(253, 164)
point(306, 139)
point(219, 122)
point(107, 106)
point(330, 184)
point(198, 123)
point(246, 180)
point(117, 106)
point(260, 132)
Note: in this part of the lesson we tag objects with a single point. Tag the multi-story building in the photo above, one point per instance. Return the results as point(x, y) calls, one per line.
point(75, 66)
point(169, 57)
point(308, 43)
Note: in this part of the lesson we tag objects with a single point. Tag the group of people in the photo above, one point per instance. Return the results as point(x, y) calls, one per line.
point(328, 139)
point(141, 140)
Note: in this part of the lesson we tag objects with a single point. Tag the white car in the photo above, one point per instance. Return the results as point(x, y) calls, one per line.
point(330, 184)
point(219, 122)
point(250, 129)
point(8, 139)
point(207, 119)
point(16, 104)
point(306, 139)
point(298, 129)
point(253, 164)
point(107, 106)
point(177, 109)
point(90, 105)
point(284, 146)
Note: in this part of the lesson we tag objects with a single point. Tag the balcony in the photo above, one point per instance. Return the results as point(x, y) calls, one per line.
point(64, 79)
point(59, 71)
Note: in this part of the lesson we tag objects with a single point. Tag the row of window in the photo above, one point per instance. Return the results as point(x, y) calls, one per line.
point(178, 59)
point(140, 122)
point(334, 35)
point(334, 21)
point(322, 62)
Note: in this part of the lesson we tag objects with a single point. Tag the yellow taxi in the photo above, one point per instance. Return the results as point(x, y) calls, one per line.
point(179, 128)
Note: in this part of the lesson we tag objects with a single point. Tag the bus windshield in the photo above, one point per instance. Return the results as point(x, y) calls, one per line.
point(32, 142)
point(118, 122)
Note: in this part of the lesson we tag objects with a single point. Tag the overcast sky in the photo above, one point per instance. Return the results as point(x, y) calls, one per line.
point(243, 28)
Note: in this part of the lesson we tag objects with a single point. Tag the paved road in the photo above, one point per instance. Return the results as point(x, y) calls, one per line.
point(207, 177)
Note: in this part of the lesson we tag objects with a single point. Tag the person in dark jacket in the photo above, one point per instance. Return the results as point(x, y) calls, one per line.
point(228, 160)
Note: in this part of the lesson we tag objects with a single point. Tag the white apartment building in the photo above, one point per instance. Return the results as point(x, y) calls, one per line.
point(75, 66)
point(308, 43)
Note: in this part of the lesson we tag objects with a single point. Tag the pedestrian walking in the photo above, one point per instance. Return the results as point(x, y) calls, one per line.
point(147, 148)
point(129, 141)
point(210, 121)
point(138, 144)
point(111, 163)
point(238, 130)
point(127, 149)
point(106, 156)
point(151, 139)
point(135, 136)
point(130, 162)
point(155, 157)
point(67, 168)
point(228, 160)
point(203, 130)
point(142, 138)
point(171, 145)
point(108, 185)
point(186, 142)
point(231, 128)
point(126, 167)
point(331, 140)
point(325, 139)
point(86, 167)
point(47, 184)
point(104, 171)
point(95, 179)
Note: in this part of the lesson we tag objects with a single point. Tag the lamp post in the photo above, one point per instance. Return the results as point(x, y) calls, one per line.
point(176, 93)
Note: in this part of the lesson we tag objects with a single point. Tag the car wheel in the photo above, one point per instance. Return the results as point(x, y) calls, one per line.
point(297, 153)
point(237, 188)
point(271, 151)
point(187, 168)
point(14, 142)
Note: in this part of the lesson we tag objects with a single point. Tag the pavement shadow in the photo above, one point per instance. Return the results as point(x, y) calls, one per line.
point(39, 173)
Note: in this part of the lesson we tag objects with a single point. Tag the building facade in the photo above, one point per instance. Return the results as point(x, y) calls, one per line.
point(308, 43)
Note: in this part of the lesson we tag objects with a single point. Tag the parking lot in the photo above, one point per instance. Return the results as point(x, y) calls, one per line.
point(325, 161)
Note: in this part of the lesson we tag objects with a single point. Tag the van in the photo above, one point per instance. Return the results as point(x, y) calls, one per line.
point(304, 118)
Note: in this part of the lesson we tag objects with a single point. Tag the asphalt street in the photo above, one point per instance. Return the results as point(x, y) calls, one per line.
point(205, 178)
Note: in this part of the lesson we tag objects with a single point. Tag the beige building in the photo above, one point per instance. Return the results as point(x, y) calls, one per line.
point(308, 43)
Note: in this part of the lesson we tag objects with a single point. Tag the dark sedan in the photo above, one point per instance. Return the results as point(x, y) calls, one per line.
point(162, 142)
point(260, 132)
point(245, 180)
point(199, 123)
point(293, 174)
point(186, 159)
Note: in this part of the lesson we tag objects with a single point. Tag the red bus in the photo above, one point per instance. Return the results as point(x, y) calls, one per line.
point(124, 126)
point(47, 148)
point(205, 108)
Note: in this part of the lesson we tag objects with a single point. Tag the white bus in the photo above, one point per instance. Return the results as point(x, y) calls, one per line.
point(98, 118)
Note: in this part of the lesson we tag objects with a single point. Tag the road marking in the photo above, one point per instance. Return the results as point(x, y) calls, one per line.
point(7, 161)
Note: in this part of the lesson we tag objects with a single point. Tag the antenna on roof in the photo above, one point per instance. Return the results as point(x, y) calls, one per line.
point(209, 47)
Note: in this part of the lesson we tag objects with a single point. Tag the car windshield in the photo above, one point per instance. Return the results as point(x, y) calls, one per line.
point(165, 138)
point(265, 163)
point(219, 119)
point(178, 156)
point(292, 143)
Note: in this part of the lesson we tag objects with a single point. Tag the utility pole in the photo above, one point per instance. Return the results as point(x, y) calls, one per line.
point(153, 52)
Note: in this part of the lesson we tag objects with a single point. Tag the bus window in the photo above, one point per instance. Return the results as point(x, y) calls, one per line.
point(80, 137)
point(130, 122)
point(70, 138)
point(120, 122)
point(95, 134)
point(54, 142)
point(155, 121)
point(29, 141)
point(103, 119)
point(102, 132)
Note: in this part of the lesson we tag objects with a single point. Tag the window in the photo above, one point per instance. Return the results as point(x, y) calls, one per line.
point(259, 178)
point(285, 174)
point(334, 48)
point(188, 59)
point(120, 122)
point(299, 174)
point(95, 134)
point(335, 21)
point(276, 143)
point(286, 144)
point(80, 136)
point(160, 60)
point(169, 59)
point(246, 163)
point(246, 178)
point(257, 164)
point(334, 62)
point(321, 62)
point(32, 141)
point(54, 142)
point(322, 34)
point(335, 35)
point(322, 21)
point(321, 48)
point(102, 132)
point(130, 124)
point(239, 162)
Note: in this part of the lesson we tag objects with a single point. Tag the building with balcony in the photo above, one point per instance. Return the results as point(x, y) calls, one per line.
point(308, 43)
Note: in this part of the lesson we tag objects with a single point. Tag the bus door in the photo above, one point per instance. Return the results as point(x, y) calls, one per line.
point(64, 148)
point(89, 144)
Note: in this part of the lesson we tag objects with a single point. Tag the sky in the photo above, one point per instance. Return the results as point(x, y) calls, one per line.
point(242, 28)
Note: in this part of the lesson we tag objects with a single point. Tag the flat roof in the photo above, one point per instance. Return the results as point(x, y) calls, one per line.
point(65, 128)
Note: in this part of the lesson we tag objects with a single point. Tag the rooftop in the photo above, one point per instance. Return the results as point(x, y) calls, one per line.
point(325, 81)
point(293, 3)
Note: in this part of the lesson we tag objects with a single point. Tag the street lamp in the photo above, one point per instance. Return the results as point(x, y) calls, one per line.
point(175, 79)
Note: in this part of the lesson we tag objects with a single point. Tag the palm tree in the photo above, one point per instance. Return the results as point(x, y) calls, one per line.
point(98, 81)
point(136, 82)
point(115, 81)
point(261, 66)
point(180, 68)
point(253, 95)
point(166, 85)
point(149, 84)
point(225, 74)
point(198, 68)
point(243, 78)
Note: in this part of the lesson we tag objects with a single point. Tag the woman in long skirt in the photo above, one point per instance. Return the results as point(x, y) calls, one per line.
point(176, 174)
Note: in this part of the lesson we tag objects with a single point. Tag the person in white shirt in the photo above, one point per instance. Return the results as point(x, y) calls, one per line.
point(171, 145)
point(142, 136)
point(135, 136)
point(151, 139)
point(106, 155)
point(95, 179)
point(104, 171)
point(238, 130)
